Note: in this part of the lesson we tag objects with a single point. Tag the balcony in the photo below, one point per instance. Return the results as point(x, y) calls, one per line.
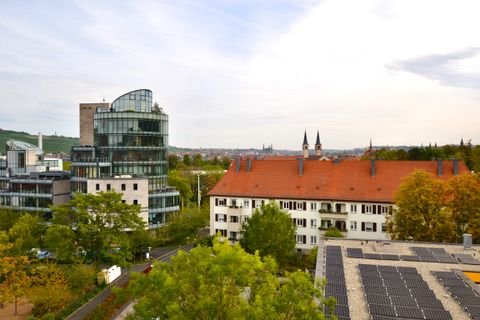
point(332, 211)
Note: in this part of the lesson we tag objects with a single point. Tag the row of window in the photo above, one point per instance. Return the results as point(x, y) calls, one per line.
point(123, 187)
point(302, 239)
point(302, 206)
point(367, 226)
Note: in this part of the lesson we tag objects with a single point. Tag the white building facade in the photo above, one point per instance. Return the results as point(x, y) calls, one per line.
point(353, 196)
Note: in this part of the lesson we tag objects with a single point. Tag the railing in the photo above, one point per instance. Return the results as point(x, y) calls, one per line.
point(332, 211)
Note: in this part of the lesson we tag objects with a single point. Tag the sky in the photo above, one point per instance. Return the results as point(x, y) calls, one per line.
point(240, 74)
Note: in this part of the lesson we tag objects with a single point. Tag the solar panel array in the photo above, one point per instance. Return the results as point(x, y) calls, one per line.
point(466, 258)
point(461, 291)
point(422, 254)
point(399, 293)
point(433, 255)
point(335, 275)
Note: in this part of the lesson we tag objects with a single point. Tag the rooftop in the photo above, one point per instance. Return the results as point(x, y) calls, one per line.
point(325, 180)
point(375, 286)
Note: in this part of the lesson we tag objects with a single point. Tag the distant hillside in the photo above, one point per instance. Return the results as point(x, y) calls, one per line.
point(50, 143)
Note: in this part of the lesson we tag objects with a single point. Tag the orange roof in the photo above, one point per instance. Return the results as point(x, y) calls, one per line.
point(325, 180)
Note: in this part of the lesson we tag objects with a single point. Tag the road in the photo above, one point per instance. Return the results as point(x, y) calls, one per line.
point(159, 254)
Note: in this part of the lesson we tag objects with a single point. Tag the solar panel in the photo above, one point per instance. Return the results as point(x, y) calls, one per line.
point(390, 257)
point(377, 299)
point(410, 313)
point(405, 270)
point(469, 300)
point(410, 258)
point(403, 301)
point(375, 256)
point(387, 269)
point(335, 290)
point(342, 311)
point(382, 310)
point(473, 310)
point(435, 314)
point(398, 291)
point(375, 290)
point(341, 299)
point(430, 303)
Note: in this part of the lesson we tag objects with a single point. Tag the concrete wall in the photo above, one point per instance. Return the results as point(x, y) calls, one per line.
point(87, 110)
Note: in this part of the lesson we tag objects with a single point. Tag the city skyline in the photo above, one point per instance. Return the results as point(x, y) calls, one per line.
point(239, 74)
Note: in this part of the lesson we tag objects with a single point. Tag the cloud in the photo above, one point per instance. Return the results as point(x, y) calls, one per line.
point(444, 68)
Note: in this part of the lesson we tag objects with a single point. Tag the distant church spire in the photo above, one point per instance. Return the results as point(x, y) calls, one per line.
point(370, 148)
point(305, 145)
point(461, 142)
point(318, 145)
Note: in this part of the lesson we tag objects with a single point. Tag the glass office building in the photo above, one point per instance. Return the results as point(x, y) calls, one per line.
point(131, 137)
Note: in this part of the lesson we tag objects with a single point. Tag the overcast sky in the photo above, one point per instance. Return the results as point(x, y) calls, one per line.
point(239, 74)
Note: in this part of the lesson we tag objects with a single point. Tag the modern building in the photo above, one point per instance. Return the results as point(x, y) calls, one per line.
point(130, 139)
point(29, 181)
point(354, 196)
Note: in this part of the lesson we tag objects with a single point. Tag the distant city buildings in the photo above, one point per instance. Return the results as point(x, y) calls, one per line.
point(355, 196)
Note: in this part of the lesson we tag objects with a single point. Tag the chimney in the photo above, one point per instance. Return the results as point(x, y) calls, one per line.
point(40, 140)
point(237, 165)
point(249, 164)
point(455, 167)
point(440, 168)
point(300, 166)
point(372, 168)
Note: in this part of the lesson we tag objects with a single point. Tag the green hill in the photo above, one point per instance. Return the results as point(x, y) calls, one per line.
point(50, 143)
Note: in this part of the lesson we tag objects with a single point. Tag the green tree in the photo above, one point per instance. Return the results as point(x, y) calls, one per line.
point(181, 183)
point(271, 232)
point(60, 239)
point(15, 280)
point(50, 292)
point(26, 233)
point(226, 162)
point(187, 160)
point(7, 218)
point(185, 225)
point(81, 277)
point(197, 161)
point(463, 201)
point(172, 161)
point(103, 225)
point(421, 216)
point(224, 282)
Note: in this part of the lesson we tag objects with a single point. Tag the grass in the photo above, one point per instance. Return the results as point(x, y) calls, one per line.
point(51, 144)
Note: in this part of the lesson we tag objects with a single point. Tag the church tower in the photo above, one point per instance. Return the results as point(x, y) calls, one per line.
point(305, 145)
point(318, 145)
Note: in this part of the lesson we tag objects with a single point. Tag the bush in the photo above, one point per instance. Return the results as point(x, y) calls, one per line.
point(333, 232)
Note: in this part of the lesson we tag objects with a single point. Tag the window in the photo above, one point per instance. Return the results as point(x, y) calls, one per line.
point(313, 239)
point(135, 201)
point(353, 225)
point(135, 186)
point(313, 223)
point(124, 187)
point(222, 232)
point(301, 238)
point(234, 219)
point(245, 218)
point(285, 204)
point(366, 208)
point(246, 203)
point(353, 208)
point(220, 202)
point(97, 186)
point(123, 201)
point(384, 227)
point(109, 187)
point(221, 217)
point(234, 202)
point(233, 235)
point(369, 226)
point(301, 223)
point(313, 206)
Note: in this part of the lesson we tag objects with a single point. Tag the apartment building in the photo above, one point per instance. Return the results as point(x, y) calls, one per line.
point(355, 196)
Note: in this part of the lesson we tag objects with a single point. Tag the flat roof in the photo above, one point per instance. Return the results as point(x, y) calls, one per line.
point(357, 304)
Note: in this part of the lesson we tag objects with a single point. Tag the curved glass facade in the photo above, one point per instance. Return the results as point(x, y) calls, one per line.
point(133, 136)
point(134, 101)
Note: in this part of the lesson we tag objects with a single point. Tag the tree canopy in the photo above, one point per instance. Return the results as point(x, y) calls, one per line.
point(270, 231)
point(224, 282)
point(104, 227)
point(431, 209)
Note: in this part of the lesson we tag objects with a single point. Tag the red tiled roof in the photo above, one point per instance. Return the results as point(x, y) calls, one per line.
point(327, 180)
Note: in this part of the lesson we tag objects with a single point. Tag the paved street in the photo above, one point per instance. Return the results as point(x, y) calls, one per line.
point(160, 254)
